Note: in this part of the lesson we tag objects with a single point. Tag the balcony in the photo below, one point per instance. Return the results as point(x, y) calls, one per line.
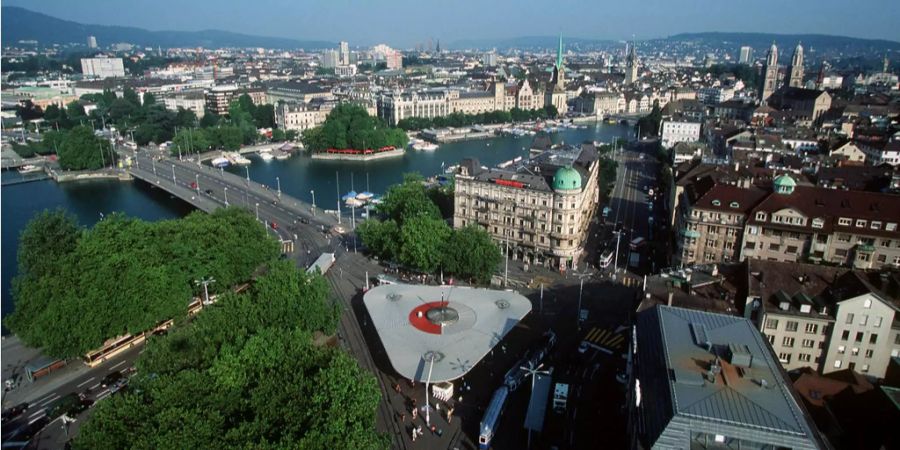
point(690, 233)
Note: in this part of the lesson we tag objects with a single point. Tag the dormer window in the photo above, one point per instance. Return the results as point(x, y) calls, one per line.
point(716, 203)
point(860, 223)
point(761, 216)
point(890, 227)
point(818, 223)
point(876, 225)
point(734, 205)
point(844, 222)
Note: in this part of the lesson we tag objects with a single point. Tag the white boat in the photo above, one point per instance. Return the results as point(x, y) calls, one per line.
point(425, 146)
point(364, 195)
point(30, 168)
point(353, 202)
point(238, 159)
point(220, 162)
point(282, 156)
point(266, 156)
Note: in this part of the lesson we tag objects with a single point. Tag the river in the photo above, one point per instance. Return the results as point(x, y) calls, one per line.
point(298, 175)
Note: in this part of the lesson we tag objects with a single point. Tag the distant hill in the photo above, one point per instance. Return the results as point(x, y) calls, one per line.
point(820, 42)
point(21, 24)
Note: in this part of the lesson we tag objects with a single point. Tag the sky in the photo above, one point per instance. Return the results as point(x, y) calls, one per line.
point(403, 23)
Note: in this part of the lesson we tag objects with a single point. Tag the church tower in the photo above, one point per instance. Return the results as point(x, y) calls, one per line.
point(631, 65)
point(556, 90)
point(770, 75)
point(795, 72)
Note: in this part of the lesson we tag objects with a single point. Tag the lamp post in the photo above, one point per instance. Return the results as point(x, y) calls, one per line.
point(154, 166)
point(248, 175)
point(173, 174)
point(506, 263)
point(197, 182)
point(257, 211)
point(226, 197)
point(313, 192)
point(278, 184)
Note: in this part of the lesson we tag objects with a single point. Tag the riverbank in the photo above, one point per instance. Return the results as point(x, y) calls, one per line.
point(103, 174)
point(359, 157)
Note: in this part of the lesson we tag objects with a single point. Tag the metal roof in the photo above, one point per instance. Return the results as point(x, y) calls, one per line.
point(537, 406)
point(456, 326)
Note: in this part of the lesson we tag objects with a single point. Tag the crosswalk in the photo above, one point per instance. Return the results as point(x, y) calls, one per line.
point(632, 281)
point(606, 339)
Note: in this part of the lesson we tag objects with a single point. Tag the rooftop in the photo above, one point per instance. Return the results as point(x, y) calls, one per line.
point(454, 326)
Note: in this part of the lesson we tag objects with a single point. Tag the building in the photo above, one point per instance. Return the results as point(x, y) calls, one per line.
point(700, 380)
point(395, 106)
point(556, 90)
point(194, 100)
point(675, 131)
point(746, 55)
point(345, 71)
point(297, 91)
point(102, 67)
point(300, 116)
point(608, 103)
point(489, 59)
point(825, 318)
point(770, 75)
point(714, 95)
point(92, 42)
point(344, 59)
point(392, 58)
point(330, 59)
point(805, 223)
point(807, 105)
point(631, 65)
point(541, 207)
point(795, 71)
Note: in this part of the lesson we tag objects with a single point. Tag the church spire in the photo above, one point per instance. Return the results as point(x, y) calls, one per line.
point(559, 54)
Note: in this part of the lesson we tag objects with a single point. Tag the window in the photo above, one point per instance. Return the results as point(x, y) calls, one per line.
point(865, 368)
point(818, 223)
point(785, 358)
point(791, 326)
point(859, 336)
point(787, 342)
point(864, 320)
point(808, 343)
point(771, 324)
point(867, 303)
point(804, 357)
point(878, 322)
point(890, 226)
point(875, 225)
point(844, 221)
point(761, 216)
point(869, 353)
point(845, 335)
point(849, 319)
point(812, 328)
point(841, 349)
point(854, 351)
point(774, 247)
point(873, 338)
point(791, 249)
point(860, 223)
point(837, 364)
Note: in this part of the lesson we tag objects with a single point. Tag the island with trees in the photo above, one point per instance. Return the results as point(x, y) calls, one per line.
point(349, 132)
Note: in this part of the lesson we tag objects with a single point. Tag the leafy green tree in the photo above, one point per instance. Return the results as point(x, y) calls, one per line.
point(75, 111)
point(408, 199)
point(264, 116)
point(190, 140)
point(185, 118)
point(381, 237)
point(209, 119)
point(81, 150)
point(649, 124)
point(470, 252)
point(350, 126)
point(149, 100)
point(423, 240)
point(121, 109)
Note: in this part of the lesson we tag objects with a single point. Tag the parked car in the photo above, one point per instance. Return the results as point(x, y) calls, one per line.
point(13, 412)
point(69, 405)
point(582, 347)
point(274, 225)
point(304, 220)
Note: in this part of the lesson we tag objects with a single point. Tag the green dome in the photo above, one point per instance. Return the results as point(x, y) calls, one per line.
point(784, 184)
point(566, 179)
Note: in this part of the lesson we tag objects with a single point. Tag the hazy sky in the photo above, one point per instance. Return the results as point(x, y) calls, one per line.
point(402, 23)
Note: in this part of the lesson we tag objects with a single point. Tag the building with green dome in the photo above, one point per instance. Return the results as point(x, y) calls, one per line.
point(784, 184)
point(542, 206)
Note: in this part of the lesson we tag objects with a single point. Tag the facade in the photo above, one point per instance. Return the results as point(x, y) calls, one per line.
point(795, 71)
point(770, 75)
point(541, 208)
point(219, 98)
point(345, 71)
point(191, 100)
point(102, 67)
point(608, 103)
point(330, 59)
point(297, 91)
point(713, 95)
point(92, 42)
point(300, 116)
point(700, 380)
point(675, 131)
point(344, 57)
point(746, 54)
point(805, 223)
point(824, 318)
point(801, 104)
point(489, 59)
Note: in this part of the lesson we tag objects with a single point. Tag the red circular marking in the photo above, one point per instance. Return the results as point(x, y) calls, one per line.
point(422, 323)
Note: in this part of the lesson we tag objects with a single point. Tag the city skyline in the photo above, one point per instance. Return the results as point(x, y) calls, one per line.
point(468, 20)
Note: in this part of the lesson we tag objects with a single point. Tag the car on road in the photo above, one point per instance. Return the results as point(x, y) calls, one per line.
point(208, 191)
point(274, 225)
point(11, 413)
point(70, 405)
point(583, 347)
point(304, 220)
point(110, 379)
point(193, 185)
point(26, 431)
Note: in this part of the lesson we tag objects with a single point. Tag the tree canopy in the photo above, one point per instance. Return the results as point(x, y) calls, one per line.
point(80, 149)
point(411, 231)
point(245, 373)
point(350, 126)
point(124, 275)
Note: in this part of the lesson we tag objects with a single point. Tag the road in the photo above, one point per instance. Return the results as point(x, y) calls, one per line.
point(628, 199)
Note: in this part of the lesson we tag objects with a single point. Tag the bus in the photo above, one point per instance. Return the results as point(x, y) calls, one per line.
point(606, 258)
point(560, 397)
point(637, 248)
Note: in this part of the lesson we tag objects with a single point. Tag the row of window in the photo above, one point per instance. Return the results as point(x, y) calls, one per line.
point(792, 326)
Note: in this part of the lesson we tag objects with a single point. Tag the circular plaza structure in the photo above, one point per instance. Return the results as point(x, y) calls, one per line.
point(453, 327)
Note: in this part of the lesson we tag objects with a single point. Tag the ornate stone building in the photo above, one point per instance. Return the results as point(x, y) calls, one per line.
point(770, 75)
point(795, 71)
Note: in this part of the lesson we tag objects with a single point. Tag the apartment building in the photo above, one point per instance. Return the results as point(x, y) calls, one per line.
point(675, 131)
point(191, 100)
point(825, 318)
point(541, 207)
point(102, 67)
point(608, 103)
point(804, 223)
point(301, 116)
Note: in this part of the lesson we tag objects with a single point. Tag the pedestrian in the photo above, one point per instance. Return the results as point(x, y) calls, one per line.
point(415, 413)
point(414, 403)
point(402, 417)
point(414, 432)
point(450, 415)
point(437, 406)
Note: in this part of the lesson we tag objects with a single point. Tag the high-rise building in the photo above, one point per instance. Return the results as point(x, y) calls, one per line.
point(631, 65)
point(489, 59)
point(330, 59)
point(770, 75)
point(345, 53)
point(102, 67)
point(795, 72)
point(746, 54)
point(92, 42)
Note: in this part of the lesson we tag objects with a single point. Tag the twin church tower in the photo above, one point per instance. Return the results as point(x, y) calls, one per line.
point(794, 73)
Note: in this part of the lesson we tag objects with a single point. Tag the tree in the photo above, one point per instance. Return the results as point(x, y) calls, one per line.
point(408, 199)
point(185, 118)
point(75, 111)
point(190, 140)
point(470, 252)
point(210, 119)
point(81, 150)
point(382, 238)
point(649, 124)
point(423, 240)
point(350, 126)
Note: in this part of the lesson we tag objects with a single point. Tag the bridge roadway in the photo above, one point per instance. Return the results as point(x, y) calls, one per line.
point(346, 277)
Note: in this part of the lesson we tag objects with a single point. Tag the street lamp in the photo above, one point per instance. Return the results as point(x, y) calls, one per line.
point(278, 183)
point(154, 165)
point(226, 197)
point(248, 175)
point(581, 277)
point(257, 212)
point(197, 182)
point(506, 263)
point(173, 175)
point(313, 192)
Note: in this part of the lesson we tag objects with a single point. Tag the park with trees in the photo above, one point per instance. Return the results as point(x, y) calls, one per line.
point(411, 230)
point(350, 126)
